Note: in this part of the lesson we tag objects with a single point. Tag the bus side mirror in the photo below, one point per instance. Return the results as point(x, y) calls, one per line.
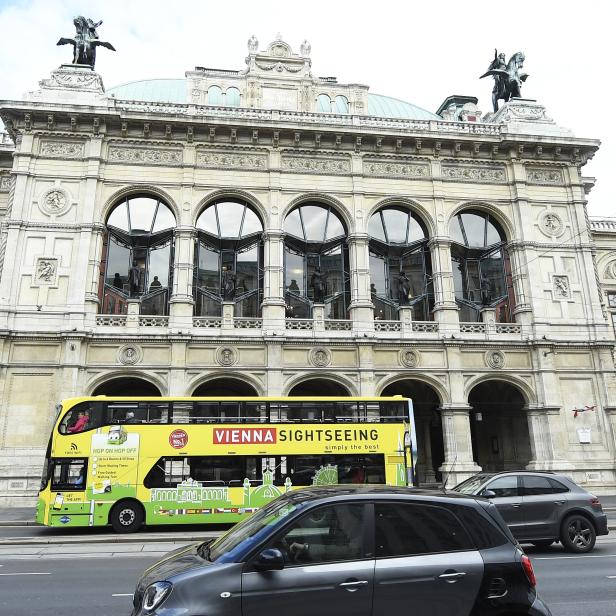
point(269, 560)
point(488, 493)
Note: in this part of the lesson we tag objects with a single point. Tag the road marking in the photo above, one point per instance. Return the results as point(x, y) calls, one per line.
point(37, 573)
point(123, 594)
point(571, 557)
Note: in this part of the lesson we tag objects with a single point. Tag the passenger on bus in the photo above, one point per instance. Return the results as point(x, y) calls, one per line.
point(82, 421)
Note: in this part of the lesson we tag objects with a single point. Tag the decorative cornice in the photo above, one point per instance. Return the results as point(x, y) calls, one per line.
point(232, 159)
point(544, 176)
point(493, 174)
point(330, 165)
point(144, 156)
point(62, 149)
point(396, 168)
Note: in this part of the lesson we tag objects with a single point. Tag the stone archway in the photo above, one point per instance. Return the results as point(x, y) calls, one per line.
point(499, 426)
point(225, 386)
point(428, 426)
point(126, 386)
point(318, 387)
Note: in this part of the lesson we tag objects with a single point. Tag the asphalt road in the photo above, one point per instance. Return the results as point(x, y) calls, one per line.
point(95, 583)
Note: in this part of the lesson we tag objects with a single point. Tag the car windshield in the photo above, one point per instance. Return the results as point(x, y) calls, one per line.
point(472, 484)
point(250, 531)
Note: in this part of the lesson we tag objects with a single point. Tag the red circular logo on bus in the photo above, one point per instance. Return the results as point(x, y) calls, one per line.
point(178, 439)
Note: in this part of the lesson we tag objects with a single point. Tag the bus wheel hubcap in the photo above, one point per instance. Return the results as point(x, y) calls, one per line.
point(127, 517)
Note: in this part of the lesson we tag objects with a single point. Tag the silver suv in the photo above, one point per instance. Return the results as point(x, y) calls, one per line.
point(542, 507)
point(351, 551)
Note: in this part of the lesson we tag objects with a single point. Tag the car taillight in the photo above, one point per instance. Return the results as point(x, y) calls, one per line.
point(595, 502)
point(528, 570)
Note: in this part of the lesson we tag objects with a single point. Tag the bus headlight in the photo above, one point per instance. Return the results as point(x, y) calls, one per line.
point(155, 594)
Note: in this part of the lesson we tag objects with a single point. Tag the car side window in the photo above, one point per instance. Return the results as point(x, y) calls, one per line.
point(557, 487)
point(408, 529)
point(506, 486)
point(534, 486)
point(323, 535)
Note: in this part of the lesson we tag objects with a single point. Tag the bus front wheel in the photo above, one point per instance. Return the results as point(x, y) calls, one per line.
point(126, 517)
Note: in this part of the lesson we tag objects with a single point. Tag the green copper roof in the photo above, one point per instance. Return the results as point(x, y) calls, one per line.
point(174, 91)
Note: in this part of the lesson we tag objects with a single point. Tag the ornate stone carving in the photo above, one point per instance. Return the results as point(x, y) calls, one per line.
point(409, 358)
point(495, 359)
point(46, 271)
point(545, 176)
point(62, 149)
point(395, 169)
point(226, 355)
point(74, 78)
point(144, 156)
point(130, 354)
point(5, 183)
point(562, 290)
point(466, 173)
point(253, 44)
point(231, 160)
point(320, 357)
point(312, 164)
point(551, 224)
point(54, 201)
point(610, 270)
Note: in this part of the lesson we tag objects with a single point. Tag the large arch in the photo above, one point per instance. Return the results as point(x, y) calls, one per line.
point(415, 206)
point(126, 386)
point(224, 386)
point(230, 193)
point(499, 425)
point(138, 189)
point(488, 208)
point(318, 386)
point(324, 198)
point(428, 427)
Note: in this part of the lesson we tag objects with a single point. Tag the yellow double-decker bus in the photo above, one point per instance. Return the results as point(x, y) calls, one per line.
point(134, 461)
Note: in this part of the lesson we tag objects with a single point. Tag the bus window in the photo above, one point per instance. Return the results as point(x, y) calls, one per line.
point(220, 469)
point(255, 412)
point(167, 472)
point(83, 416)
point(69, 474)
point(393, 411)
point(154, 412)
point(347, 411)
point(229, 412)
point(205, 412)
point(182, 412)
point(347, 468)
point(373, 411)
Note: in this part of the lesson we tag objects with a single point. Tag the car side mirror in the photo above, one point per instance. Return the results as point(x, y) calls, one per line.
point(488, 493)
point(270, 559)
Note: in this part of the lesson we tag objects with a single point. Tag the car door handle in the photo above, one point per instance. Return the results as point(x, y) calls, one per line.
point(559, 502)
point(454, 576)
point(516, 505)
point(352, 586)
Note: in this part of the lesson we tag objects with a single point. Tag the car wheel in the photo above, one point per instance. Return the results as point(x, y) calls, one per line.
point(542, 545)
point(126, 517)
point(578, 534)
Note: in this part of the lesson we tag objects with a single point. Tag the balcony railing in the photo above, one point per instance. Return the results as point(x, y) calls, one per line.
point(210, 322)
point(247, 323)
point(299, 324)
point(387, 326)
point(338, 325)
point(113, 320)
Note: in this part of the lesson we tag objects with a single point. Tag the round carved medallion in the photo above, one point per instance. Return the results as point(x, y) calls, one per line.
point(551, 224)
point(409, 358)
point(320, 357)
point(129, 354)
point(495, 359)
point(226, 356)
point(54, 201)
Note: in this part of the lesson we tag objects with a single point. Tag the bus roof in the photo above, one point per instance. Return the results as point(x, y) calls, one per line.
point(236, 399)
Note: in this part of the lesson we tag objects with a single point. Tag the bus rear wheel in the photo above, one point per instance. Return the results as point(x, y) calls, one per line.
point(126, 517)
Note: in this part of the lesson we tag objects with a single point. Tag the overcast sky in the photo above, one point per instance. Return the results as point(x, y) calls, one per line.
point(420, 52)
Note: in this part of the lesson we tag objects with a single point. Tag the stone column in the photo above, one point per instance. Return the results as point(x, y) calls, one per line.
point(273, 306)
point(429, 475)
point(522, 311)
point(318, 316)
point(361, 310)
point(445, 307)
point(488, 316)
point(181, 302)
point(546, 439)
point(405, 316)
point(458, 464)
point(228, 309)
point(133, 308)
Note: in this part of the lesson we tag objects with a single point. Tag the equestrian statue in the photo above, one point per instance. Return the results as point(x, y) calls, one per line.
point(507, 77)
point(85, 41)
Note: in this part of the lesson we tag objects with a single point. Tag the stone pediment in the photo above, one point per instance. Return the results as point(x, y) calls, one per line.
point(278, 60)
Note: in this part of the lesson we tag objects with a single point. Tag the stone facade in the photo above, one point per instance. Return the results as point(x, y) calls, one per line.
point(78, 152)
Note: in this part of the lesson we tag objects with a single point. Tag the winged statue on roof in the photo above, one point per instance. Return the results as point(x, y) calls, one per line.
point(507, 77)
point(85, 42)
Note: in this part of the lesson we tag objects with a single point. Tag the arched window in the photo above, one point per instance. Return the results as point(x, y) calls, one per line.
point(341, 104)
point(214, 96)
point(400, 266)
point(480, 266)
point(324, 104)
point(138, 255)
point(232, 97)
point(316, 265)
point(229, 259)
